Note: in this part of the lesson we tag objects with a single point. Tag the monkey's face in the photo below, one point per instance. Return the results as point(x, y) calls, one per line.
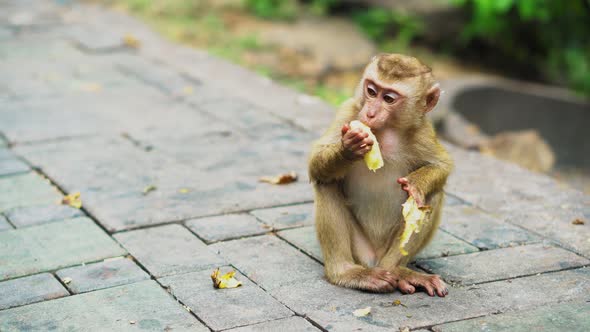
point(383, 104)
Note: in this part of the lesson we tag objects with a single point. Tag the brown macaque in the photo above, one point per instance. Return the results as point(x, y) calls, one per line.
point(358, 212)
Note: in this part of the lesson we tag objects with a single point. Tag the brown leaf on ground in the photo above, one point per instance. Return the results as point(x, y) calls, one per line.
point(225, 281)
point(72, 200)
point(578, 221)
point(285, 178)
point(130, 41)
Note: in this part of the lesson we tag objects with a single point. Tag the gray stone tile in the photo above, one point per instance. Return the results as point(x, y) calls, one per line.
point(332, 306)
point(305, 239)
point(168, 250)
point(224, 227)
point(25, 190)
point(4, 224)
point(31, 289)
point(502, 263)
point(560, 317)
point(287, 216)
point(483, 230)
point(444, 244)
point(54, 246)
point(224, 308)
point(291, 324)
point(269, 261)
point(110, 273)
point(143, 305)
point(41, 214)
point(3, 142)
point(13, 166)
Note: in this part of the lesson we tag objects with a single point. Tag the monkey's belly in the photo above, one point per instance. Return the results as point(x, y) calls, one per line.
point(375, 199)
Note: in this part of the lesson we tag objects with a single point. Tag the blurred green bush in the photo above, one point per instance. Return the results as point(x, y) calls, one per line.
point(553, 35)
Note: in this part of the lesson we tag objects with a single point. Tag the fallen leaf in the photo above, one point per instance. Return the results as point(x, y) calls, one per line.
point(414, 217)
point(398, 303)
point(132, 322)
point(578, 221)
point(183, 190)
point(130, 41)
point(404, 329)
point(362, 312)
point(285, 178)
point(225, 281)
point(149, 189)
point(66, 280)
point(72, 200)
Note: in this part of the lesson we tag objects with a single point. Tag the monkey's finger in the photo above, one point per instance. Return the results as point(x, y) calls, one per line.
point(402, 181)
point(345, 128)
point(353, 139)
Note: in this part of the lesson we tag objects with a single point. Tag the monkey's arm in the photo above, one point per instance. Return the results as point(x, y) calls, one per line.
point(327, 161)
point(429, 178)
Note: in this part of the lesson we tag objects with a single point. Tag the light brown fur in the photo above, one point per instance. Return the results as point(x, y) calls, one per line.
point(358, 212)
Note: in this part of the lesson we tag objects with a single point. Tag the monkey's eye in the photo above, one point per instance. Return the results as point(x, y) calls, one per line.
point(390, 98)
point(371, 91)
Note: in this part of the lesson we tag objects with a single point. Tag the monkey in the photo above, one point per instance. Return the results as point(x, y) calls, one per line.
point(358, 214)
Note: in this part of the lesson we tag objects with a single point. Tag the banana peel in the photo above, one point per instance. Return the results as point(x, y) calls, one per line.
point(373, 158)
point(414, 217)
point(224, 281)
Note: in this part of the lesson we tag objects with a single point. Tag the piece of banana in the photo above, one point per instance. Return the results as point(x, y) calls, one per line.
point(373, 158)
point(414, 217)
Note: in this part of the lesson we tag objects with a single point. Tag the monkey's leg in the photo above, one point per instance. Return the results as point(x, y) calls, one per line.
point(335, 226)
point(393, 261)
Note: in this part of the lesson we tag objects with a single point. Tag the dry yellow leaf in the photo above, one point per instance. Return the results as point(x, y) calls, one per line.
point(149, 189)
point(362, 312)
point(578, 221)
point(280, 179)
point(414, 218)
point(225, 281)
point(183, 191)
point(66, 280)
point(72, 200)
point(373, 158)
point(130, 41)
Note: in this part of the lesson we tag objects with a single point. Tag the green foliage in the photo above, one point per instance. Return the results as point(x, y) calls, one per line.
point(322, 7)
point(273, 9)
point(552, 35)
point(389, 28)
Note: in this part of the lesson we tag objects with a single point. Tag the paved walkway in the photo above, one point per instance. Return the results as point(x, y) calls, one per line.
point(82, 111)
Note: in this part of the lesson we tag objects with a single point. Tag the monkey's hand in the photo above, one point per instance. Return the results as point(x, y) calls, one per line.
point(412, 191)
point(355, 143)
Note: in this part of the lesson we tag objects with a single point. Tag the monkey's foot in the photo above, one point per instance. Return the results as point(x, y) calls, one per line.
point(408, 281)
point(375, 280)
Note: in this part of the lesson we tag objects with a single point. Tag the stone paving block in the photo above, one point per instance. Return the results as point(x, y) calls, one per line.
point(3, 142)
point(331, 306)
point(224, 227)
point(269, 261)
point(287, 216)
point(110, 273)
point(304, 238)
point(31, 289)
point(168, 250)
point(53, 246)
point(444, 244)
point(559, 317)
point(25, 190)
point(291, 324)
point(224, 308)
point(483, 230)
point(4, 224)
point(144, 306)
point(502, 263)
point(13, 166)
point(41, 214)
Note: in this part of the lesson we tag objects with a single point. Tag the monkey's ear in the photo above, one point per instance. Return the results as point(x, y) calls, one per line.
point(432, 98)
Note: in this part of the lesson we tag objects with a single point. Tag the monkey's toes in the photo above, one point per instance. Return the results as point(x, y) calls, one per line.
point(378, 281)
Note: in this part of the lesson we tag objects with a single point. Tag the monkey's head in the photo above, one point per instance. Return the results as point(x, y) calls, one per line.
point(396, 91)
